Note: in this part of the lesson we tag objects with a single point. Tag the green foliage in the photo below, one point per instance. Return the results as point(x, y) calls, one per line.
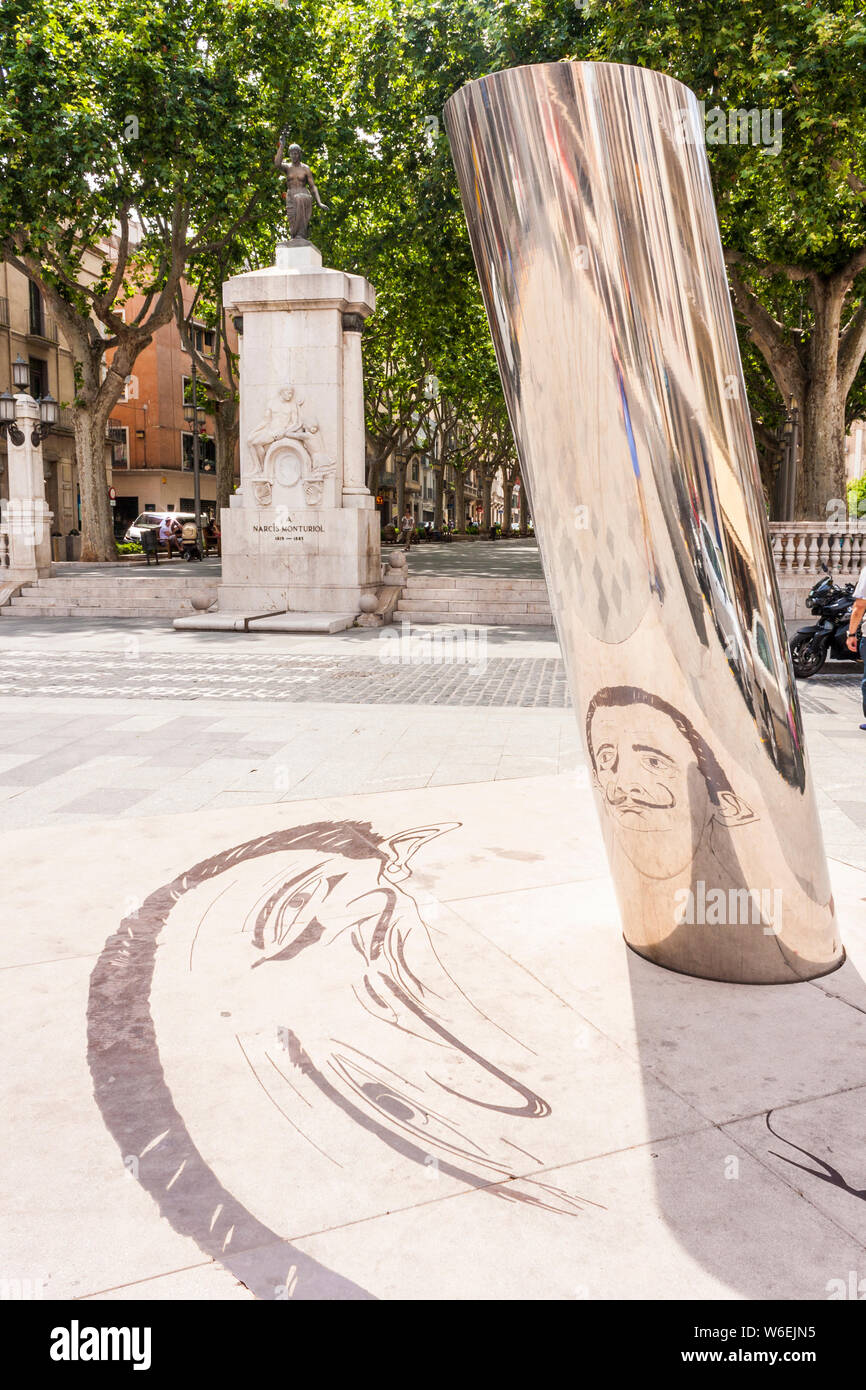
point(805, 59)
point(857, 497)
point(396, 214)
point(148, 104)
point(140, 104)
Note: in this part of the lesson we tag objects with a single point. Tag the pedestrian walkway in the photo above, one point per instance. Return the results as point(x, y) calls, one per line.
point(175, 568)
point(449, 1078)
point(392, 1046)
point(511, 559)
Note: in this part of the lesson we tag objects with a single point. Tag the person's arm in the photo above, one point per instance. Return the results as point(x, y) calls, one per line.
point(315, 192)
point(278, 157)
point(857, 612)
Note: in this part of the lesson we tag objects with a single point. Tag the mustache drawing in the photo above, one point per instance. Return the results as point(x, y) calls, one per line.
point(395, 1045)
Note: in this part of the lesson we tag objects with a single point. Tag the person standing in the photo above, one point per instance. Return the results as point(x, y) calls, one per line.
point(407, 527)
point(855, 641)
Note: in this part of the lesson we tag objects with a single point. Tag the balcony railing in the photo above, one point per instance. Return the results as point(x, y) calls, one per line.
point(4, 313)
point(800, 548)
point(44, 328)
point(115, 431)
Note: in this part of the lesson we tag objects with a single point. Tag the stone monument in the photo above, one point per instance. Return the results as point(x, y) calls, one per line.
point(300, 541)
point(25, 520)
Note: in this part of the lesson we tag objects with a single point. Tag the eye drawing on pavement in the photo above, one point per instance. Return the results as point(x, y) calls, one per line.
point(337, 1011)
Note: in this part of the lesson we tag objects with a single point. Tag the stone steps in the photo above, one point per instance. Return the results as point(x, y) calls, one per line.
point(68, 596)
point(475, 600)
point(478, 617)
point(472, 583)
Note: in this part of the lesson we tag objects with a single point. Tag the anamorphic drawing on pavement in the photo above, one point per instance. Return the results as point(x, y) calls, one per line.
point(824, 1171)
point(286, 1000)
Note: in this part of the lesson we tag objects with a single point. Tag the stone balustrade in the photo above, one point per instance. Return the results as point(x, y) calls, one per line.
point(800, 548)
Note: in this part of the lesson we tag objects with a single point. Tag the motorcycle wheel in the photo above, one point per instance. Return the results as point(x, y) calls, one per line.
point(805, 659)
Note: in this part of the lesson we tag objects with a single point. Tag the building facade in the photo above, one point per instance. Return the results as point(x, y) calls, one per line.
point(151, 440)
point(28, 331)
point(149, 445)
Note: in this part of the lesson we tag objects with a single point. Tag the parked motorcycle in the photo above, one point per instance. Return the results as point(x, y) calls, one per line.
point(811, 646)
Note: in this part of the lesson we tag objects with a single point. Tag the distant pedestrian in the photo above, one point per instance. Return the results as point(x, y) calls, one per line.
point(212, 535)
point(855, 640)
point(169, 534)
point(407, 529)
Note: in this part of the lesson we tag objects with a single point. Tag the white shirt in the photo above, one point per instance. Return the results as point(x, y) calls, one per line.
point(860, 588)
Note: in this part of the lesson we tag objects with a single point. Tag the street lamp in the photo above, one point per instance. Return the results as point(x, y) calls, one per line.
point(49, 411)
point(21, 373)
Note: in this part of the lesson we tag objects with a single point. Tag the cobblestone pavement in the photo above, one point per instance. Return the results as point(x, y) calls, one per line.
point(129, 719)
point(531, 682)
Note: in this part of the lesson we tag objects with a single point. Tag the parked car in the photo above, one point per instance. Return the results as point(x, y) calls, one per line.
point(151, 519)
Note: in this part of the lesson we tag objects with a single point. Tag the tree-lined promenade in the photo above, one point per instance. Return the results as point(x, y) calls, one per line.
point(137, 144)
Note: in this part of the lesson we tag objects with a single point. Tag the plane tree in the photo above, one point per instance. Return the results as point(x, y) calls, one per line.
point(135, 137)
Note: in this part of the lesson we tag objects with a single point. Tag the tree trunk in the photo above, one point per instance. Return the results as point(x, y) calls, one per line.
point(400, 471)
point(374, 471)
point(821, 473)
point(460, 502)
point(486, 487)
point(524, 510)
point(438, 488)
point(814, 377)
point(821, 483)
point(226, 435)
point(506, 501)
point(97, 527)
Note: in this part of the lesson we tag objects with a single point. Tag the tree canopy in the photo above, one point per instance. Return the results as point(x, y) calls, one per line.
point(164, 114)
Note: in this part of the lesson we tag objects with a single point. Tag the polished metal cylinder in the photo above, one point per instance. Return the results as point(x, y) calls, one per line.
point(588, 199)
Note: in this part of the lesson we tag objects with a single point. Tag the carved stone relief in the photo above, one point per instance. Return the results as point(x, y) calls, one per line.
point(286, 450)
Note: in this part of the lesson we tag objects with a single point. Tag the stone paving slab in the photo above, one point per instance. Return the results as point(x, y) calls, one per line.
point(345, 680)
point(220, 1084)
point(262, 751)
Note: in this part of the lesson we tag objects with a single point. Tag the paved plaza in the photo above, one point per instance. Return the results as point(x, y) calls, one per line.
point(315, 988)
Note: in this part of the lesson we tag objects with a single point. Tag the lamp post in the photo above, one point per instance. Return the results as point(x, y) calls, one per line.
point(786, 480)
point(25, 521)
point(792, 424)
point(190, 411)
point(9, 413)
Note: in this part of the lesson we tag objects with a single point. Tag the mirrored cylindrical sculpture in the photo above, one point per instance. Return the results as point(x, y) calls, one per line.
point(588, 199)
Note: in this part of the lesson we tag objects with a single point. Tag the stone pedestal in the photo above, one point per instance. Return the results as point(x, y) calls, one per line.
point(25, 521)
point(302, 532)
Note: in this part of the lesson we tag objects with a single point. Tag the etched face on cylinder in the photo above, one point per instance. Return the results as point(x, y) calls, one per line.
point(661, 785)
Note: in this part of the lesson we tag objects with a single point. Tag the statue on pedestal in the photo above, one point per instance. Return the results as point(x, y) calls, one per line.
point(300, 191)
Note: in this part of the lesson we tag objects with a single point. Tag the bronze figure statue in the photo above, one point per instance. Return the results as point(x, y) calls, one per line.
point(300, 190)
